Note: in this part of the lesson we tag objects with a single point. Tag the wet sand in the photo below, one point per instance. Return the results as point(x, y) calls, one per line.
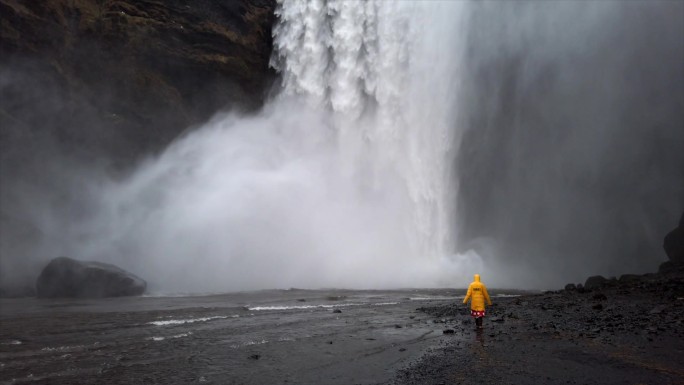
point(270, 337)
point(624, 334)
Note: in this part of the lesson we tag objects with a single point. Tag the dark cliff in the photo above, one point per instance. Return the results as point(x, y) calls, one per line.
point(572, 159)
point(123, 77)
point(92, 87)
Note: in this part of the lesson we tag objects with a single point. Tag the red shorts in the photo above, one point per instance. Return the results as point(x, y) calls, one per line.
point(477, 313)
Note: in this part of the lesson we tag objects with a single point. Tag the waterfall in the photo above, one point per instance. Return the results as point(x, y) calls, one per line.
point(388, 73)
point(344, 179)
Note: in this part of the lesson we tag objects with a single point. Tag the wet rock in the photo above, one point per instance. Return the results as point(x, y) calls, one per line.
point(398, 326)
point(570, 287)
point(598, 306)
point(657, 310)
point(595, 282)
point(671, 267)
point(448, 331)
point(402, 349)
point(498, 319)
point(627, 278)
point(66, 277)
point(674, 243)
point(255, 356)
point(337, 311)
point(600, 297)
point(167, 65)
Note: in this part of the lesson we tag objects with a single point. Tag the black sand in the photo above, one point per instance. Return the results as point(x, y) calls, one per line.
point(624, 334)
point(244, 338)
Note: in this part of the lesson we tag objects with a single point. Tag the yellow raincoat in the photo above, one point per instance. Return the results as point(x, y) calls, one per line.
point(477, 293)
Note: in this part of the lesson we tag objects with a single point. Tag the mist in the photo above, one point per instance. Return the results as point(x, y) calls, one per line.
point(340, 181)
point(572, 163)
point(406, 145)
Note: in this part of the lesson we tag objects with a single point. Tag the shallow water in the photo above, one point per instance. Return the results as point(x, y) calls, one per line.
point(273, 336)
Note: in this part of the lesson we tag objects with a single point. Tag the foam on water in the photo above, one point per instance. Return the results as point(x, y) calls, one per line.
point(174, 336)
point(304, 307)
point(185, 321)
point(248, 343)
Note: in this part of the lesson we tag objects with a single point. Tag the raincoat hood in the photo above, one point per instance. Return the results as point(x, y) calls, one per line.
point(478, 295)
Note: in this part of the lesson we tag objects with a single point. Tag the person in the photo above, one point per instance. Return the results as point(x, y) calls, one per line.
point(477, 294)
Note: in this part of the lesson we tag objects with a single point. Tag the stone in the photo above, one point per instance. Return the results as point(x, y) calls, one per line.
point(673, 244)
point(337, 311)
point(600, 297)
point(67, 277)
point(626, 278)
point(570, 286)
point(671, 267)
point(658, 309)
point(595, 282)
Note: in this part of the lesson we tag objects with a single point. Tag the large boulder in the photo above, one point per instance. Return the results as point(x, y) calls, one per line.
point(674, 243)
point(66, 277)
point(670, 267)
point(595, 282)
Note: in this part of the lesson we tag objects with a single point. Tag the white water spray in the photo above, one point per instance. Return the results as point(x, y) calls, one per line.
point(388, 72)
point(344, 180)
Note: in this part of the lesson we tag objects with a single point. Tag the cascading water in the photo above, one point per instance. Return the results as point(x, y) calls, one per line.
point(388, 72)
point(343, 180)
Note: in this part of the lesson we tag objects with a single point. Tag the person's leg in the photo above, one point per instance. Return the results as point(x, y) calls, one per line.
point(478, 322)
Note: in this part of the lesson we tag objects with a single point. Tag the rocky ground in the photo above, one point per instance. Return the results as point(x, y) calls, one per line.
point(623, 332)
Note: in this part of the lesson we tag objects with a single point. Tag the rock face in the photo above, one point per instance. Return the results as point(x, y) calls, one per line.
point(66, 277)
point(101, 84)
point(674, 243)
point(145, 70)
